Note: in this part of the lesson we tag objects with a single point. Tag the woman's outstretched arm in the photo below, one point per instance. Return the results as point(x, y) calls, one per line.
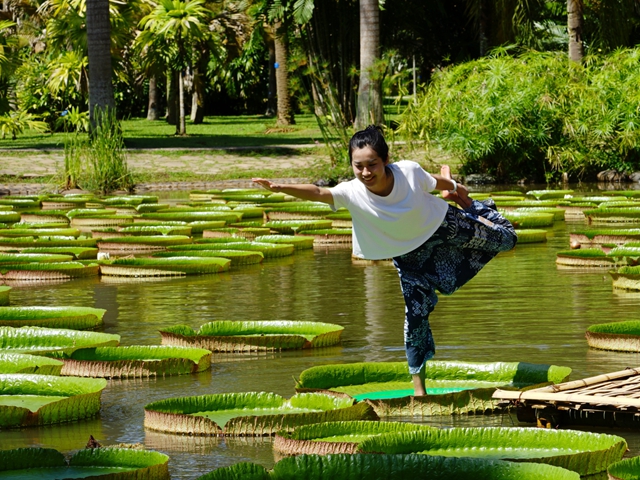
point(303, 190)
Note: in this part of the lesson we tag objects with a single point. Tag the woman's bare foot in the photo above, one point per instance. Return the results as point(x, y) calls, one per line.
point(461, 195)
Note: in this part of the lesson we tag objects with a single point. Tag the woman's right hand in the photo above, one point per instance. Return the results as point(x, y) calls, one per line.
point(268, 184)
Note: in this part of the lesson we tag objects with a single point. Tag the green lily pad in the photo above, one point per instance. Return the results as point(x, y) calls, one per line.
point(78, 318)
point(452, 387)
point(136, 361)
point(335, 437)
point(4, 295)
point(237, 336)
point(583, 452)
point(617, 336)
point(391, 467)
point(52, 342)
point(24, 363)
point(27, 400)
point(157, 267)
point(252, 413)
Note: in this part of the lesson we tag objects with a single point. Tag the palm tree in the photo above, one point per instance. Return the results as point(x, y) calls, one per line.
point(369, 87)
point(99, 53)
point(182, 23)
point(575, 24)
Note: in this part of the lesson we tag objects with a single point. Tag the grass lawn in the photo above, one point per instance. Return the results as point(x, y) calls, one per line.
point(216, 132)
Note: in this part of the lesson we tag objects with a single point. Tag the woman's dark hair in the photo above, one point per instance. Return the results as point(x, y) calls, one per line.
point(369, 137)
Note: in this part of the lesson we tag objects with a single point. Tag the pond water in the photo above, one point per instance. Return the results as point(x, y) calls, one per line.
point(519, 308)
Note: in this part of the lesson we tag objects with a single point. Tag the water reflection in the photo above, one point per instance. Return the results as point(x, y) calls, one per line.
point(519, 308)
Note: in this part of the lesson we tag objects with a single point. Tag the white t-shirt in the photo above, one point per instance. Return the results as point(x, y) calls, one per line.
point(386, 227)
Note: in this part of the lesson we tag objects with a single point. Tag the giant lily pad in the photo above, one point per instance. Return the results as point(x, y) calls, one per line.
point(626, 278)
point(52, 341)
point(299, 242)
point(158, 267)
point(143, 243)
point(252, 413)
point(330, 236)
point(23, 363)
point(594, 237)
point(8, 258)
point(584, 257)
point(230, 336)
point(291, 226)
point(335, 437)
point(237, 257)
point(136, 361)
point(27, 400)
point(40, 232)
point(549, 194)
point(614, 215)
point(583, 452)
point(529, 219)
point(269, 250)
point(627, 469)
point(4, 295)
point(452, 387)
point(619, 336)
point(37, 272)
point(391, 467)
point(531, 235)
point(80, 253)
point(78, 318)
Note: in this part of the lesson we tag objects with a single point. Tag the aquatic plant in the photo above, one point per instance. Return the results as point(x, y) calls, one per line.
point(29, 400)
point(531, 235)
point(254, 336)
point(154, 267)
point(136, 361)
point(617, 336)
point(25, 363)
point(392, 467)
point(583, 452)
point(249, 413)
point(77, 318)
point(237, 257)
point(53, 342)
point(335, 437)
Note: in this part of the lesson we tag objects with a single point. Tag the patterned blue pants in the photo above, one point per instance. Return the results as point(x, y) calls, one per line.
point(463, 244)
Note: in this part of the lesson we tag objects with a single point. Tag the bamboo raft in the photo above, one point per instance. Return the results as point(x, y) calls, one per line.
point(611, 399)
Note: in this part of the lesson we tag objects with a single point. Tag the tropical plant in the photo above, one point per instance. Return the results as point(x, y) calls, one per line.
point(79, 318)
point(52, 342)
point(249, 413)
point(248, 336)
point(156, 267)
point(116, 463)
point(583, 452)
point(517, 117)
point(335, 437)
point(392, 467)
point(30, 400)
point(183, 23)
point(24, 363)
point(136, 361)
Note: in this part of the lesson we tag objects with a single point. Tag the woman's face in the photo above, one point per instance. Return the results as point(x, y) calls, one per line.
point(370, 169)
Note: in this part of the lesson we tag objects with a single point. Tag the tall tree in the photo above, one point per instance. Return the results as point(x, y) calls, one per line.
point(369, 86)
point(99, 53)
point(182, 23)
point(575, 24)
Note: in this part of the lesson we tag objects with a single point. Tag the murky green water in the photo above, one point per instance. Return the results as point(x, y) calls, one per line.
point(519, 308)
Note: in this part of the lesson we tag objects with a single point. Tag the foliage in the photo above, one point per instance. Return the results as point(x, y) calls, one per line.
point(534, 115)
point(98, 162)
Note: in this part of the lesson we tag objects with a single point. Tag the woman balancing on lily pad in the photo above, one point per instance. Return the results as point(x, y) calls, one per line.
point(434, 245)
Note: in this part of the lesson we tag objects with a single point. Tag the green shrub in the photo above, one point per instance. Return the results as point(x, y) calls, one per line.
point(534, 115)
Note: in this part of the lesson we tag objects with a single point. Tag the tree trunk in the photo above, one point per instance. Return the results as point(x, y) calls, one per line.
point(483, 41)
point(99, 53)
point(574, 23)
point(181, 127)
point(197, 97)
point(152, 109)
point(369, 88)
point(272, 106)
point(285, 113)
point(172, 98)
